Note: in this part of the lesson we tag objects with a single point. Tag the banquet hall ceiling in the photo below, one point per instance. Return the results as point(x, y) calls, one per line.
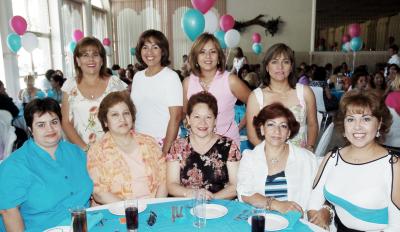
point(332, 13)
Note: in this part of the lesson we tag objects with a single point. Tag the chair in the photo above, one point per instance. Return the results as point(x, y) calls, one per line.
point(320, 117)
point(319, 98)
point(7, 139)
point(393, 137)
point(324, 141)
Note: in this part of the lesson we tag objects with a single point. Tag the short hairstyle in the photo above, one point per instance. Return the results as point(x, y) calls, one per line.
point(41, 106)
point(356, 76)
point(49, 73)
point(395, 48)
point(239, 52)
point(111, 100)
point(274, 51)
point(358, 101)
point(395, 66)
point(276, 110)
point(198, 44)
point(244, 67)
point(57, 78)
point(203, 97)
point(160, 40)
point(80, 48)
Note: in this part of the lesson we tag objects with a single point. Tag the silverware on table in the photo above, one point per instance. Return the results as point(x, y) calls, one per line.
point(173, 208)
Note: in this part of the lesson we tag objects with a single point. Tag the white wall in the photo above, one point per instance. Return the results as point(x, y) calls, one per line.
point(295, 31)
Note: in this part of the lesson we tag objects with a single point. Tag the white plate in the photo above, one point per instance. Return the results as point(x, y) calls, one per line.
point(119, 208)
point(273, 222)
point(59, 229)
point(213, 211)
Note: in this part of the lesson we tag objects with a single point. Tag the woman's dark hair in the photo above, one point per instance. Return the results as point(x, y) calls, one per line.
point(276, 110)
point(356, 76)
point(111, 100)
point(395, 66)
point(49, 73)
point(273, 52)
point(239, 52)
point(244, 67)
point(203, 97)
point(319, 74)
point(198, 44)
point(372, 81)
point(58, 78)
point(41, 106)
point(358, 101)
point(81, 47)
point(161, 41)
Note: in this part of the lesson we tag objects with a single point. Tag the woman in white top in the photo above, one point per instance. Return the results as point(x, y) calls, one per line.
point(82, 95)
point(238, 61)
point(276, 174)
point(280, 86)
point(362, 179)
point(156, 91)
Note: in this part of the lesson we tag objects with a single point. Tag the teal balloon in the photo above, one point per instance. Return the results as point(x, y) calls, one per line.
point(257, 48)
point(72, 46)
point(14, 42)
point(193, 23)
point(220, 35)
point(356, 43)
point(132, 51)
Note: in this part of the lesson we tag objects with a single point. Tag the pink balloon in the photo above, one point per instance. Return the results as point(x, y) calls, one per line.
point(346, 38)
point(78, 35)
point(203, 5)
point(226, 22)
point(354, 30)
point(18, 24)
point(106, 42)
point(256, 37)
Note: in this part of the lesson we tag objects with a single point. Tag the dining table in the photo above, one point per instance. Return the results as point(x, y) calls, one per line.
point(100, 218)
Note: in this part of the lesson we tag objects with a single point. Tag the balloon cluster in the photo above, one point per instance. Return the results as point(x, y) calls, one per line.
point(76, 36)
point(257, 48)
point(201, 19)
point(18, 38)
point(352, 41)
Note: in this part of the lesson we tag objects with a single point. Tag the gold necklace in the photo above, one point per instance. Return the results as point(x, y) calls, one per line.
point(205, 85)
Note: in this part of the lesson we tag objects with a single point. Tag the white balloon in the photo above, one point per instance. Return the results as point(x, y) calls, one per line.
point(232, 38)
point(211, 22)
point(29, 41)
point(108, 50)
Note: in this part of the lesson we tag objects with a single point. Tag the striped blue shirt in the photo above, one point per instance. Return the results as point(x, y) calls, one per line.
point(276, 186)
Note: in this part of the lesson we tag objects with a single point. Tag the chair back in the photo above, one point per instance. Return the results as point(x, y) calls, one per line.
point(320, 116)
point(6, 117)
point(7, 139)
point(324, 141)
point(393, 137)
point(319, 97)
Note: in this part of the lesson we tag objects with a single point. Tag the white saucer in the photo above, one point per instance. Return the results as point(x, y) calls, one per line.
point(273, 222)
point(212, 211)
point(119, 209)
point(59, 229)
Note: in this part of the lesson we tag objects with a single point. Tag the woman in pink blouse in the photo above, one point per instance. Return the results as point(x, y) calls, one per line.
point(124, 164)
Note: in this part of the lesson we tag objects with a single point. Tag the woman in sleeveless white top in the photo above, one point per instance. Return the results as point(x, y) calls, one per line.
point(280, 86)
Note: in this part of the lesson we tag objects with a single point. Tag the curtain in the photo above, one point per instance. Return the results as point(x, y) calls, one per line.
point(99, 24)
point(72, 19)
point(131, 17)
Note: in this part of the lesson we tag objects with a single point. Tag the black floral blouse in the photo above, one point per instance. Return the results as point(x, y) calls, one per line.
point(207, 171)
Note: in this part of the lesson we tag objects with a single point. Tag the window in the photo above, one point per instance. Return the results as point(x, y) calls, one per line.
point(99, 24)
point(36, 14)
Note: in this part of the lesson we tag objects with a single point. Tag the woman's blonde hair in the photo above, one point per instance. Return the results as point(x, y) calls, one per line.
point(395, 85)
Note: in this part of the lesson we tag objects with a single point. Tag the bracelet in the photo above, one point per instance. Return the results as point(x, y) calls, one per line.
point(269, 203)
point(331, 212)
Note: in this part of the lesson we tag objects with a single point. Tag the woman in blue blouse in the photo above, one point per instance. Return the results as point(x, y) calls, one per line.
point(45, 177)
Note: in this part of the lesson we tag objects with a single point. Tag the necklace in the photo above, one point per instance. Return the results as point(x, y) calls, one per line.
point(277, 159)
point(274, 160)
point(205, 85)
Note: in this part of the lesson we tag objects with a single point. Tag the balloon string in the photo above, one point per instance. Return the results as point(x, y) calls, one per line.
point(227, 57)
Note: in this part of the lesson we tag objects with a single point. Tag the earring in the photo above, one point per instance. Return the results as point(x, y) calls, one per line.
point(378, 134)
point(215, 130)
point(197, 65)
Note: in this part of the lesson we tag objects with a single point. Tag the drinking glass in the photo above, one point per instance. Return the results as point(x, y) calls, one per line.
point(199, 208)
point(258, 219)
point(131, 215)
point(79, 222)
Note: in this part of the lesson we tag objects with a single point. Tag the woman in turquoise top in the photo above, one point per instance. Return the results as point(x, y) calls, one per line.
point(45, 177)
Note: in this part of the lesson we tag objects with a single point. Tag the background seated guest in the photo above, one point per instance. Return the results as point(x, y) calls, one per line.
point(56, 81)
point(319, 80)
point(30, 92)
point(124, 164)
point(359, 80)
point(45, 177)
point(377, 82)
point(361, 180)
point(203, 159)
point(276, 173)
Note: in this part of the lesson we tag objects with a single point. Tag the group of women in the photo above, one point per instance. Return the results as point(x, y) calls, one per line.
point(133, 150)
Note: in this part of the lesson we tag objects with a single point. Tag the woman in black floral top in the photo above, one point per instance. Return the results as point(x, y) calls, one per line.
point(203, 159)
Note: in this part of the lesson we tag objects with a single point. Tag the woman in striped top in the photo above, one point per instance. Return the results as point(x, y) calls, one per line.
point(276, 173)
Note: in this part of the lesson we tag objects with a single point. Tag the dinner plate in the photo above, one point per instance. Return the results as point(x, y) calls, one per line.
point(273, 222)
point(119, 209)
point(212, 211)
point(59, 229)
